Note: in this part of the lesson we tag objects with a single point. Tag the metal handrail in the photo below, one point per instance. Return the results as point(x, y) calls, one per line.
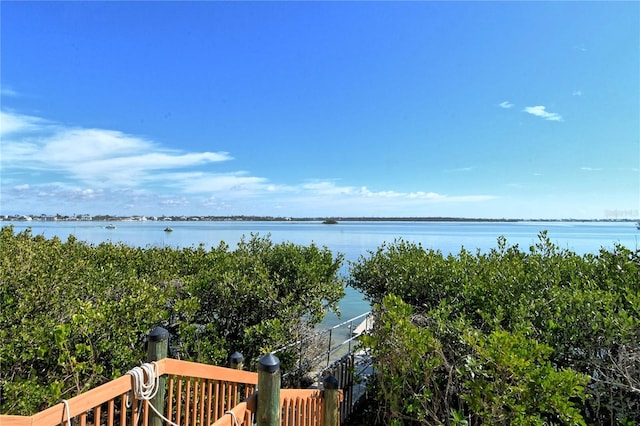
point(320, 333)
point(310, 362)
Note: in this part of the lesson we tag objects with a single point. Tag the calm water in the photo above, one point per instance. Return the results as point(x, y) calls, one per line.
point(353, 239)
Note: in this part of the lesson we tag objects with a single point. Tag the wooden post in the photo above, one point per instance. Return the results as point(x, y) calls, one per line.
point(235, 361)
point(157, 349)
point(331, 402)
point(268, 410)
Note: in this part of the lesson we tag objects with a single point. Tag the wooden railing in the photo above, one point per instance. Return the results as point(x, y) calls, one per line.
point(298, 407)
point(197, 394)
point(242, 414)
point(192, 394)
point(200, 394)
point(301, 407)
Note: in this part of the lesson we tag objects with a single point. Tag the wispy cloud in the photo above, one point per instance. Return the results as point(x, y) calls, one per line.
point(460, 170)
point(577, 93)
point(8, 91)
point(590, 169)
point(108, 169)
point(235, 184)
point(330, 188)
point(540, 111)
point(97, 157)
point(505, 104)
point(23, 187)
point(11, 123)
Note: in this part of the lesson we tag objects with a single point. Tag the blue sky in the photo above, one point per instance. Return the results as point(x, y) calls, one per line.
point(466, 109)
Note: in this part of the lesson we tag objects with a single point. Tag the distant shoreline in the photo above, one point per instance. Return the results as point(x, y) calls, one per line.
point(242, 218)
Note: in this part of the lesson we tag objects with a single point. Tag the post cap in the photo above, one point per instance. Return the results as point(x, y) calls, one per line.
point(236, 358)
point(158, 334)
point(269, 363)
point(330, 382)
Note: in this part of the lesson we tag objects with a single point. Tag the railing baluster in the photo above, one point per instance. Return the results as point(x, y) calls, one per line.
point(97, 412)
point(230, 396)
point(134, 411)
point(194, 403)
point(209, 399)
point(284, 412)
point(305, 405)
point(187, 402)
point(179, 401)
point(170, 397)
point(219, 398)
point(202, 401)
point(110, 413)
point(329, 347)
point(123, 409)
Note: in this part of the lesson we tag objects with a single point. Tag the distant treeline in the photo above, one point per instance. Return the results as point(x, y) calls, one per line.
point(250, 218)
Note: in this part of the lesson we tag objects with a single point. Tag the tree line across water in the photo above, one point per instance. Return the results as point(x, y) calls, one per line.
point(511, 336)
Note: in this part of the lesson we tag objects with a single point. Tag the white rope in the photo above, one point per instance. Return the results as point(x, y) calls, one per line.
point(67, 410)
point(146, 389)
point(235, 419)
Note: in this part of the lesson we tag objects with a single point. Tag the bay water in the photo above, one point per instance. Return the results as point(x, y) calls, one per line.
point(352, 239)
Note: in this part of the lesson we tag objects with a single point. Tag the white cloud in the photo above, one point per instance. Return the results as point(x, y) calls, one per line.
point(540, 111)
point(590, 169)
point(98, 157)
point(460, 170)
point(8, 91)
point(175, 202)
point(330, 189)
point(235, 184)
point(505, 104)
point(112, 171)
point(577, 93)
point(92, 144)
point(23, 187)
point(11, 123)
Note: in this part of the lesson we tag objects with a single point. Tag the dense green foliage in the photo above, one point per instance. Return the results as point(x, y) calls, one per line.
point(75, 315)
point(542, 336)
point(511, 336)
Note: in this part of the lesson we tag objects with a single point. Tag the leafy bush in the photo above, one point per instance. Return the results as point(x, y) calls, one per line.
point(407, 358)
point(75, 315)
point(563, 316)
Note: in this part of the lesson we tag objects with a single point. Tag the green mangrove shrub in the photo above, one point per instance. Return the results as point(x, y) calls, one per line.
point(75, 315)
point(576, 316)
